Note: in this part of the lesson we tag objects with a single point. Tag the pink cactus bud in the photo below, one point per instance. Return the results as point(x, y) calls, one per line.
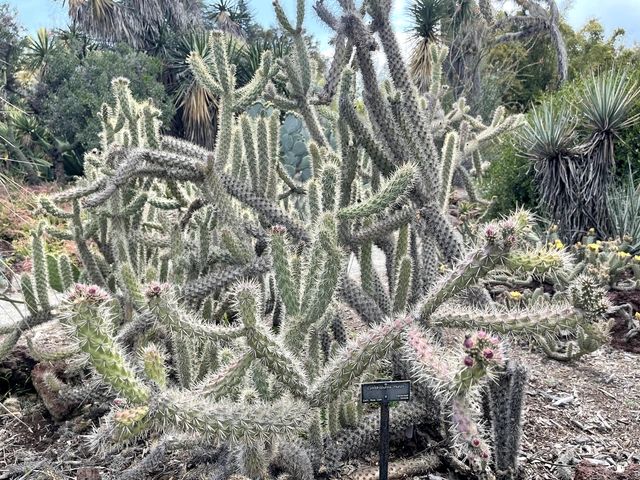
point(488, 353)
point(468, 361)
point(475, 442)
point(481, 334)
point(93, 290)
point(468, 343)
point(118, 401)
point(495, 340)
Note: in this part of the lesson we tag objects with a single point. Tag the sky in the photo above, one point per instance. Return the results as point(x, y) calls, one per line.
point(611, 13)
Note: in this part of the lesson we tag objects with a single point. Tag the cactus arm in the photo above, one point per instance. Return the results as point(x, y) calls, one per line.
point(364, 137)
point(448, 239)
point(391, 194)
point(201, 288)
point(88, 323)
point(265, 347)
point(271, 211)
point(351, 294)
point(469, 272)
point(383, 227)
point(222, 382)
point(355, 358)
point(282, 271)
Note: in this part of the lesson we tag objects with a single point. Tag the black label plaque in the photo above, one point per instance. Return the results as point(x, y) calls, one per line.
point(386, 391)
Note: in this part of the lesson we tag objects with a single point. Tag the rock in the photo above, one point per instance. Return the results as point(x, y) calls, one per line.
point(588, 471)
point(15, 371)
point(88, 473)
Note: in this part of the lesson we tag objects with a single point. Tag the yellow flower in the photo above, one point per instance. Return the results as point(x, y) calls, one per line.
point(559, 244)
point(637, 258)
point(442, 267)
point(592, 230)
point(515, 295)
point(624, 254)
point(637, 315)
point(579, 244)
point(594, 246)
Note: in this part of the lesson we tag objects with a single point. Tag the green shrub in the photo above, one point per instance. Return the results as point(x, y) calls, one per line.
point(509, 178)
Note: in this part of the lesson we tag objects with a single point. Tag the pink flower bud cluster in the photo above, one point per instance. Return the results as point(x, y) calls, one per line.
point(279, 229)
point(155, 289)
point(481, 350)
point(467, 429)
point(91, 294)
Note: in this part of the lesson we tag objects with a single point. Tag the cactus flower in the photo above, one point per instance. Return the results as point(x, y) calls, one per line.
point(488, 353)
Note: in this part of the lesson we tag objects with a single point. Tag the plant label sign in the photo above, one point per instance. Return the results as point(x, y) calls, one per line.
point(380, 392)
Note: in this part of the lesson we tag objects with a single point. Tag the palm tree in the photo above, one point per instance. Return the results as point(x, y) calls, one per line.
point(230, 17)
point(138, 22)
point(469, 28)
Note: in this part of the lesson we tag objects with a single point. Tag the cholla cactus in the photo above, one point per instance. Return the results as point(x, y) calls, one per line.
point(196, 253)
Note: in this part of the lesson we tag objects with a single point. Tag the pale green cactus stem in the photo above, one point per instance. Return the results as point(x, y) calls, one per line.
point(164, 307)
point(263, 162)
point(223, 381)
point(87, 320)
point(438, 55)
point(231, 423)
point(403, 285)
point(250, 154)
point(40, 268)
point(313, 199)
point(274, 158)
point(238, 165)
point(282, 271)
point(28, 290)
point(266, 347)
point(449, 161)
point(470, 270)
point(366, 264)
point(154, 368)
point(391, 194)
point(329, 181)
point(355, 358)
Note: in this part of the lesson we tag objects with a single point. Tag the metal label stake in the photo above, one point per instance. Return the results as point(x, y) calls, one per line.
point(384, 392)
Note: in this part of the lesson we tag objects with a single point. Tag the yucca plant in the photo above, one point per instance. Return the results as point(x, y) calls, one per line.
point(605, 106)
point(549, 139)
point(624, 208)
point(573, 173)
point(426, 18)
